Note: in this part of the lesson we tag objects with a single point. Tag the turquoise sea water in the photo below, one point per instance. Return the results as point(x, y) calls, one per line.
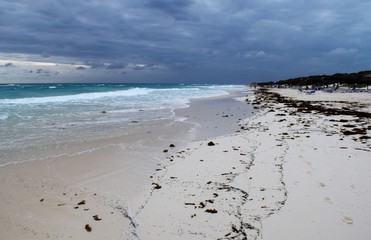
point(32, 115)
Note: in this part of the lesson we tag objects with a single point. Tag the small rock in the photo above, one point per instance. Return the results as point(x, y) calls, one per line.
point(157, 186)
point(172, 145)
point(81, 203)
point(211, 144)
point(97, 218)
point(88, 228)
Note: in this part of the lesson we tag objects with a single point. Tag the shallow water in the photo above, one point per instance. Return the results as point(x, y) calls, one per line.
point(35, 117)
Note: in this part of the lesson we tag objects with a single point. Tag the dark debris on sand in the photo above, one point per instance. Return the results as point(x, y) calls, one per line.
point(306, 106)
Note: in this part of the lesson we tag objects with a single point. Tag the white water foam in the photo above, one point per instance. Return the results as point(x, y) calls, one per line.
point(3, 117)
point(36, 121)
point(78, 97)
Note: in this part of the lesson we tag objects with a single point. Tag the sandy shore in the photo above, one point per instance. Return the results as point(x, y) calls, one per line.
point(91, 187)
point(327, 168)
point(299, 169)
point(55, 198)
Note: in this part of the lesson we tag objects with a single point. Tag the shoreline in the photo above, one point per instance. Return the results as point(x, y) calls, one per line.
point(216, 116)
point(297, 168)
point(293, 172)
point(40, 198)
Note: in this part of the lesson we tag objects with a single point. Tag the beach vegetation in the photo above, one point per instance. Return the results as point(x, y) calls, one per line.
point(361, 79)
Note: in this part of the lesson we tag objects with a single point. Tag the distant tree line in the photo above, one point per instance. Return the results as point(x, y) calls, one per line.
point(362, 78)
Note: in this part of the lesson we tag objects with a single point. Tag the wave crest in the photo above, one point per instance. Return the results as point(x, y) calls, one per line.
point(81, 97)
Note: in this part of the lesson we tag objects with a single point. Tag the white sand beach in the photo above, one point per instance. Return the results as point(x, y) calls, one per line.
point(287, 174)
point(294, 170)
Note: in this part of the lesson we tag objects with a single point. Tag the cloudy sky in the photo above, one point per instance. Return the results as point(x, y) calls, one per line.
point(211, 41)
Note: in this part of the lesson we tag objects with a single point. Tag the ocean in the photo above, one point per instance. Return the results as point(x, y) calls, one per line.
point(34, 116)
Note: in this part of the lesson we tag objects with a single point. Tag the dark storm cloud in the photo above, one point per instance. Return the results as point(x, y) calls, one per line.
point(144, 67)
point(178, 9)
point(106, 65)
point(203, 40)
point(95, 65)
point(115, 66)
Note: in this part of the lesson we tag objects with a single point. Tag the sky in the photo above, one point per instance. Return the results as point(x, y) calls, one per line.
point(181, 41)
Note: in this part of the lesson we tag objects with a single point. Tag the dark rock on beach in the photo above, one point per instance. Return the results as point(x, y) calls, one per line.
point(211, 143)
point(88, 228)
point(156, 186)
point(97, 218)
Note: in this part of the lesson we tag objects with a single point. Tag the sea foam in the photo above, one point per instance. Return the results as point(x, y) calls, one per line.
point(77, 97)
